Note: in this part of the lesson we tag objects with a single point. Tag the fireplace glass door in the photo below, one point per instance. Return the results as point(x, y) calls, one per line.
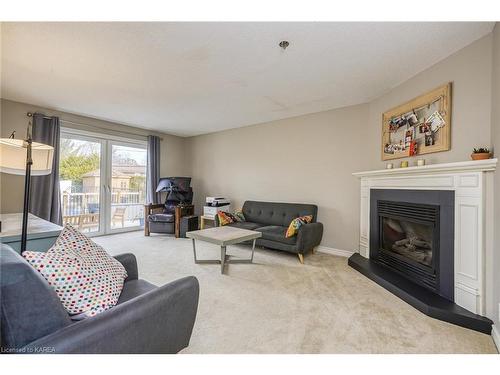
point(411, 240)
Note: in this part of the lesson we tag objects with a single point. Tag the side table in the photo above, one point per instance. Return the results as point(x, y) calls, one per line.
point(207, 218)
point(180, 211)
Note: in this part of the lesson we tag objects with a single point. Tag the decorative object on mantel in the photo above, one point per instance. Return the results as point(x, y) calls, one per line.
point(404, 164)
point(25, 157)
point(480, 153)
point(420, 162)
point(420, 126)
point(390, 166)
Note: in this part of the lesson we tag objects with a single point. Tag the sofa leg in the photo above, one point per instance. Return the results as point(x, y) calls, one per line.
point(313, 250)
point(301, 258)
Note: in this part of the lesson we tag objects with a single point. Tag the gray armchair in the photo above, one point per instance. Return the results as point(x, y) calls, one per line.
point(147, 318)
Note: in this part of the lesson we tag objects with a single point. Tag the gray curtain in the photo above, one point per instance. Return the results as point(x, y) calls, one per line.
point(153, 169)
point(45, 201)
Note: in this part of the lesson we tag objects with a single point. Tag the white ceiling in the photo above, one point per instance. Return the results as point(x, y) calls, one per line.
point(195, 78)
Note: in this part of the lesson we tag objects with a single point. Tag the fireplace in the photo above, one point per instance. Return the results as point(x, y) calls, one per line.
point(424, 237)
point(412, 235)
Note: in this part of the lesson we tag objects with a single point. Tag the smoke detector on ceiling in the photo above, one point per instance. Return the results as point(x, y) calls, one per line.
point(283, 44)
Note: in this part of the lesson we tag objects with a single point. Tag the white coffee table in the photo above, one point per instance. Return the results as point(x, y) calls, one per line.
point(223, 236)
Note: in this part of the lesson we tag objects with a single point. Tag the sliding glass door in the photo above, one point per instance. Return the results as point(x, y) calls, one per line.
point(127, 187)
point(102, 182)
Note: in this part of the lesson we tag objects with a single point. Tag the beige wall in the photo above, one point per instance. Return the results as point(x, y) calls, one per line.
point(310, 158)
point(469, 70)
point(303, 159)
point(495, 129)
point(174, 160)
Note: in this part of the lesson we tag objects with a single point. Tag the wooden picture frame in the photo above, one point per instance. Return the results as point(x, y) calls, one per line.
point(420, 126)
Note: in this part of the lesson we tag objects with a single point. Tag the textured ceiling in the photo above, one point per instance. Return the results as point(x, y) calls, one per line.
point(195, 78)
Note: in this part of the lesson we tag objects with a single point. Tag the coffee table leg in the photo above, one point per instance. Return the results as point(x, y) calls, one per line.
point(222, 258)
point(194, 251)
point(253, 250)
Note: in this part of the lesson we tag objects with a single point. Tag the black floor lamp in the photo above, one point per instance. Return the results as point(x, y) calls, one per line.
point(28, 158)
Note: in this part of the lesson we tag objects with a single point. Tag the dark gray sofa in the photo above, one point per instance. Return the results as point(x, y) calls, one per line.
point(147, 318)
point(273, 219)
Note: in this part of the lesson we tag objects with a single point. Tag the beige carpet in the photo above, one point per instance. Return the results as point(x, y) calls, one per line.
point(278, 305)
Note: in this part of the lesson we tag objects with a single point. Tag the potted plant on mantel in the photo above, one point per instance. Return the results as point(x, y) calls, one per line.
point(480, 153)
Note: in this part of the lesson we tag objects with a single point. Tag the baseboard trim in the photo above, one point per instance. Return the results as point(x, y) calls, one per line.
point(495, 335)
point(333, 251)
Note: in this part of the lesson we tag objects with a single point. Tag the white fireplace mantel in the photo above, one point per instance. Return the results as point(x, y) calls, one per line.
point(472, 182)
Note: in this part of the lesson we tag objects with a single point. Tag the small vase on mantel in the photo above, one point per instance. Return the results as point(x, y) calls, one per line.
point(480, 153)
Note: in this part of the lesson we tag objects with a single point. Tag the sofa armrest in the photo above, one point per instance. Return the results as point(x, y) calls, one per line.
point(160, 321)
point(309, 236)
point(129, 261)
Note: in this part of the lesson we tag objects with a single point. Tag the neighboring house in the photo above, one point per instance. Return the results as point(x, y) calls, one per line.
point(120, 180)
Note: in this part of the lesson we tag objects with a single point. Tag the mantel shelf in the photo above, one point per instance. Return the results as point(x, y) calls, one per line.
point(457, 167)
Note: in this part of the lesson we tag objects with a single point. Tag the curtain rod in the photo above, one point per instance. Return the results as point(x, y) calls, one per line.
point(30, 114)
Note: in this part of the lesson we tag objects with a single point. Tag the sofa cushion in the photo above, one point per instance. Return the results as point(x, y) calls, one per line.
point(30, 308)
point(245, 225)
point(134, 288)
point(162, 218)
point(276, 233)
point(86, 279)
point(275, 245)
point(281, 214)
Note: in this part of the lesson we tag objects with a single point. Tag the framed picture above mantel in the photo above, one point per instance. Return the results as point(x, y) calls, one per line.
point(420, 126)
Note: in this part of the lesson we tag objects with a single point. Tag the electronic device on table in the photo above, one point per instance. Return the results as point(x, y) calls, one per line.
point(215, 204)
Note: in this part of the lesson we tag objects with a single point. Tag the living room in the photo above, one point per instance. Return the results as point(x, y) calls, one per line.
point(250, 187)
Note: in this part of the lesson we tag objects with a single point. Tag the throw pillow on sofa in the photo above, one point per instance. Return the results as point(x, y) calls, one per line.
point(238, 214)
point(226, 218)
point(86, 279)
point(296, 223)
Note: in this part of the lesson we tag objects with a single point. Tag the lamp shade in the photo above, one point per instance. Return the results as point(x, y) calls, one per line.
point(13, 157)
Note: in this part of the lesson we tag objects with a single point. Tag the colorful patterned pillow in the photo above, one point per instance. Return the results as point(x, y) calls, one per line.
point(225, 218)
point(86, 279)
point(294, 226)
point(238, 214)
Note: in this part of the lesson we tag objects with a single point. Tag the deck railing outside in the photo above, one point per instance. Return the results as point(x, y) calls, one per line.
point(74, 204)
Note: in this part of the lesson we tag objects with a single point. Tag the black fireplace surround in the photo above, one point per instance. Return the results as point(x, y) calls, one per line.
point(406, 219)
point(412, 252)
